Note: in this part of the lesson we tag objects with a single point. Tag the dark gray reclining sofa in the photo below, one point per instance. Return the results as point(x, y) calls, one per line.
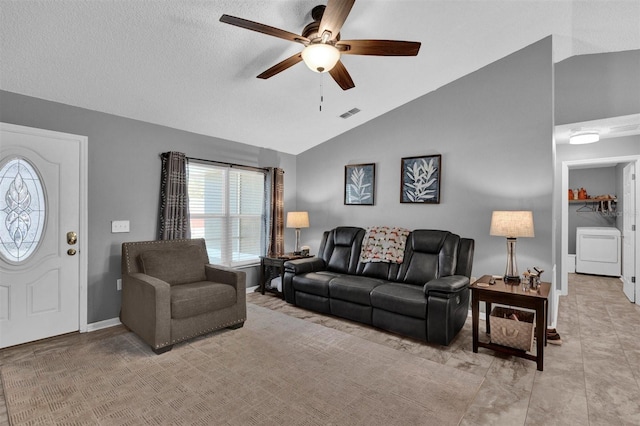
point(425, 297)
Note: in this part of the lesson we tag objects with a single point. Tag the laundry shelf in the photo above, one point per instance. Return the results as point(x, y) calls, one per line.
point(592, 200)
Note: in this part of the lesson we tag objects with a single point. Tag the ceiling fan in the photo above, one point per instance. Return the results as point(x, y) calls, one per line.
point(323, 46)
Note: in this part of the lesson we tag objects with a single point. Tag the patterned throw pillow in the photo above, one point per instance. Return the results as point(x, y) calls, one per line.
point(384, 244)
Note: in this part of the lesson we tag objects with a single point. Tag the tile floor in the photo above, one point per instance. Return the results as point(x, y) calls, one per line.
point(593, 378)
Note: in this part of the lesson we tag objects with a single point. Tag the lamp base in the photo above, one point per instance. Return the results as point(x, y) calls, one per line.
point(297, 249)
point(511, 275)
point(508, 279)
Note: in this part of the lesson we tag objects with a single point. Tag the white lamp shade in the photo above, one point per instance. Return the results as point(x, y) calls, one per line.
point(320, 57)
point(512, 224)
point(584, 137)
point(297, 220)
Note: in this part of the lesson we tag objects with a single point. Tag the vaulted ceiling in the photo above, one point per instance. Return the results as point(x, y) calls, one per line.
point(174, 63)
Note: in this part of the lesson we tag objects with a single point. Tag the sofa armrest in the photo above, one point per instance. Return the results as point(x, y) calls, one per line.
point(302, 266)
point(299, 267)
point(224, 275)
point(146, 308)
point(448, 307)
point(449, 284)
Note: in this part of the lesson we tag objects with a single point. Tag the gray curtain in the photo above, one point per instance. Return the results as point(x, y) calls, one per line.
point(274, 208)
point(174, 200)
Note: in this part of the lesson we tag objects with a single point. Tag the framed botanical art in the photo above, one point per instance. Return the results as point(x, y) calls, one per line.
point(420, 179)
point(359, 184)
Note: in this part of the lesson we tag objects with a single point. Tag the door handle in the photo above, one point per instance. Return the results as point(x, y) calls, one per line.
point(72, 238)
point(71, 252)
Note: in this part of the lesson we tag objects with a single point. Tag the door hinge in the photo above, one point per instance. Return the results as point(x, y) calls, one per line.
point(633, 279)
point(633, 227)
point(633, 176)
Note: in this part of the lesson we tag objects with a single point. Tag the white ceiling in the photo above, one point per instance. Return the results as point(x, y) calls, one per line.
point(173, 63)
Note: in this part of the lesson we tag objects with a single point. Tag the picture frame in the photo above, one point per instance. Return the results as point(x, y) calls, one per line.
point(420, 179)
point(359, 184)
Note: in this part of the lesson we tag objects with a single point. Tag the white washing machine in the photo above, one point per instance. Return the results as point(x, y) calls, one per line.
point(598, 251)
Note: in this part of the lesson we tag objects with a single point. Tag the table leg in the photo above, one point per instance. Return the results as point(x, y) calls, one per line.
point(487, 314)
point(282, 281)
point(262, 277)
point(475, 317)
point(541, 334)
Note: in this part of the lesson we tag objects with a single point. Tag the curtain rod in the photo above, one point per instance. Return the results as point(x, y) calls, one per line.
point(264, 169)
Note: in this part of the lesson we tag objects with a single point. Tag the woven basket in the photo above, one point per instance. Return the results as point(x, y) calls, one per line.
point(508, 332)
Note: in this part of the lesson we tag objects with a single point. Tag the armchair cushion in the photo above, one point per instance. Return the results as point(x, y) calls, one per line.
point(185, 265)
point(189, 300)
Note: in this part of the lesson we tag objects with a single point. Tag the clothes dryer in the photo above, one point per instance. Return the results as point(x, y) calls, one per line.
point(598, 251)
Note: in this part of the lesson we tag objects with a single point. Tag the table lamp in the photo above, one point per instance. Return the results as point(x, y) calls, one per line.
point(512, 224)
point(297, 220)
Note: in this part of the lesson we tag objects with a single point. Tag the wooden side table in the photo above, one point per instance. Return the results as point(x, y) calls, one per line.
point(512, 295)
point(273, 266)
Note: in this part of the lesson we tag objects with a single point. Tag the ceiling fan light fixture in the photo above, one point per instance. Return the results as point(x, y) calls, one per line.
point(584, 137)
point(320, 57)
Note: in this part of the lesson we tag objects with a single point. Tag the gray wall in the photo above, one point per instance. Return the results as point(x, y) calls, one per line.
point(597, 181)
point(592, 87)
point(493, 129)
point(124, 179)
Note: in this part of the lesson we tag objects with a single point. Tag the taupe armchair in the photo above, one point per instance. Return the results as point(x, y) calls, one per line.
point(171, 293)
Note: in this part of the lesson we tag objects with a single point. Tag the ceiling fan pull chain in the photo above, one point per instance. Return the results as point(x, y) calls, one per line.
point(321, 91)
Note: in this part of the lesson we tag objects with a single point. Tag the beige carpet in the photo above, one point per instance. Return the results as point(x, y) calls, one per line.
point(275, 370)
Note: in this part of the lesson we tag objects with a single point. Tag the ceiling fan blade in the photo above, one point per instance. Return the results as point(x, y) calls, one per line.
point(281, 66)
point(341, 76)
point(334, 16)
point(379, 47)
point(264, 29)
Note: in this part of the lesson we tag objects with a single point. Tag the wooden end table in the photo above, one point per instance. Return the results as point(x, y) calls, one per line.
point(273, 266)
point(511, 295)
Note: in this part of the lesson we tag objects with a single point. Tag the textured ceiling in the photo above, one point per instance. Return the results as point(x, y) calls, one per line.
point(173, 63)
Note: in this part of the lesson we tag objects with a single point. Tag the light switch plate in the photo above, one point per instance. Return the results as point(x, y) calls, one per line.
point(118, 226)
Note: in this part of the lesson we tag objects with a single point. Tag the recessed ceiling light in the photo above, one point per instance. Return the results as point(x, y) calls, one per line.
point(585, 136)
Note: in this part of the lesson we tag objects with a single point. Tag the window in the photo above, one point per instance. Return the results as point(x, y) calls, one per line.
point(22, 210)
point(226, 207)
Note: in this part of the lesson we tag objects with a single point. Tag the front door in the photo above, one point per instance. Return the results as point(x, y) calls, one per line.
point(40, 239)
point(628, 233)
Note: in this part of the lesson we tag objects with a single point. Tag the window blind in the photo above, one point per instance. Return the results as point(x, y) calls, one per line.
point(226, 208)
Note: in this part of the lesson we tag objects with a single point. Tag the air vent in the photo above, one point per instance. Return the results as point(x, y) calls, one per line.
point(627, 128)
point(350, 113)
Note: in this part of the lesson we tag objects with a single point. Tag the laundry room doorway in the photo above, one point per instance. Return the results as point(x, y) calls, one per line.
point(626, 214)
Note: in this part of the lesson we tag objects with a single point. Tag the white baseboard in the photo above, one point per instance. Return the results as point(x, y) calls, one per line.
point(556, 307)
point(95, 326)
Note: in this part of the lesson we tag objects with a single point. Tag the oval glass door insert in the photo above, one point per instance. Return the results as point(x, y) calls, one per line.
point(22, 210)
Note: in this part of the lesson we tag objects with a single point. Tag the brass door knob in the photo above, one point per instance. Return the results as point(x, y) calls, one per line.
point(71, 252)
point(72, 238)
